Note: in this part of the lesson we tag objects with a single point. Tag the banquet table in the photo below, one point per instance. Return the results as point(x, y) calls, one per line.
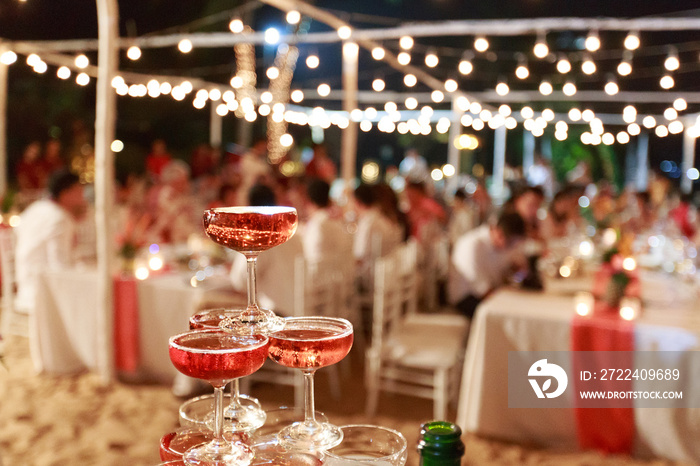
point(63, 330)
point(518, 320)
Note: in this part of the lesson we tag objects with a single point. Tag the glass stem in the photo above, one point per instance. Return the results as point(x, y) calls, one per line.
point(252, 287)
point(309, 404)
point(219, 412)
point(235, 394)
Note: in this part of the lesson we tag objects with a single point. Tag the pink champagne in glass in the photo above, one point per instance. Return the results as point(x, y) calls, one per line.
point(251, 230)
point(309, 343)
point(218, 357)
point(244, 412)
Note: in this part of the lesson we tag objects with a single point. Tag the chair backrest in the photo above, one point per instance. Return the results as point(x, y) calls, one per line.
point(323, 287)
point(395, 289)
point(7, 267)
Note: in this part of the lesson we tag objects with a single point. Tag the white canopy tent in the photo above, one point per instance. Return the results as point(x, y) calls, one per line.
point(109, 43)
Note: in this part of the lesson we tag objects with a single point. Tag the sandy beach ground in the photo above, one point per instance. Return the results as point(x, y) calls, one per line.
point(75, 420)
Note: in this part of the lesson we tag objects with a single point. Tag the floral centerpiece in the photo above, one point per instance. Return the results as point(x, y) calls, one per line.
point(617, 276)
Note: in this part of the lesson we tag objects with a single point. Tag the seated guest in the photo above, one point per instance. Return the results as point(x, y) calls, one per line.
point(323, 236)
point(462, 216)
point(46, 234)
point(275, 267)
point(482, 260)
point(527, 203)
point(375, 235)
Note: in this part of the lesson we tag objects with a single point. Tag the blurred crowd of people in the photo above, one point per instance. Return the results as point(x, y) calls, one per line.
point(483, 242)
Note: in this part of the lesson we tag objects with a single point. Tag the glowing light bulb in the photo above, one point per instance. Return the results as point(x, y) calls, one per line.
point(649, 121)
point(546, 88)
point(632, 41)
point(271, 36)
point(81, 61)
point(611, 88)
point(378, 53)
point(378, 85)
point(410, 80)
point(563, 65)
point(133, 53)
point(502, 88)
point(312, 61)
point(522, 72)
point(624, 68)
point(185, 46)
point(344, 32)
point(406, 42)
point(404, 58)
point(236, 26)
point(672, 63)
point(574, 114)
point(465, 67)
point(541, 49)
point(569, 89)
point(323, 90)
point(680, 104)
point(451, 85)
point(592, 42)
point(667, 82)
point(588, 66)
point(481, 44)
point(293, 17)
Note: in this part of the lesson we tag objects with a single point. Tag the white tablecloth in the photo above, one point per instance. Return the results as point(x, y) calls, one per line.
point(513, 320)
point(63, 330)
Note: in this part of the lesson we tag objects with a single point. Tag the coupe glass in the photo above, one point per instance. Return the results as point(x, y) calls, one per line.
point(308, 343)
point(218, 357)
point(251, 230)
point(244, 412)
point(368, 445)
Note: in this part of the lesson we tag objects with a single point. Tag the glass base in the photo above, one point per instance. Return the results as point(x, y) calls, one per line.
point(253, 321)
point(198, 412)
point(312, 436)
point(219, 453)
point(249, 416)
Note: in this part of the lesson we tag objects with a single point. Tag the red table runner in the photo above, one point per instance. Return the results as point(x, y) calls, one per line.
point(126, 324)
point(609, 429)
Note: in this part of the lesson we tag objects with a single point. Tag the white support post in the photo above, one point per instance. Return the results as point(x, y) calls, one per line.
point(455, 131)
point(3, 125)
point(642, 178)
point(215, 126)
point(105, 122)
point(688, 159)
point(348, 148)
point(499, 164)
point(528, 152)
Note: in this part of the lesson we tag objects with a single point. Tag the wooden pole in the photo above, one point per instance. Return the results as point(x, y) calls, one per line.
point(105, 122)
point(215, 126)
point(688, 159)
point(3, 125)
point(499, 164)
point(348, 149)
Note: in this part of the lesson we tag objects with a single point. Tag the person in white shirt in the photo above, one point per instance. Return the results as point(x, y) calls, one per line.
point(414, 167)
point(375, 235)
point(46, 235)
point(275, 267)
point(324, 237)
point(482, 259)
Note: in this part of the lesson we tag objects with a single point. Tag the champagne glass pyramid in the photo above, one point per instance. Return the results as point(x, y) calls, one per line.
point(309, 343)
point(244, 412)
point(251, 230)
point(218, 357)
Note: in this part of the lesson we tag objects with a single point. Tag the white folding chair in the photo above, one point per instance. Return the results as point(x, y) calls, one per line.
point(318, 291)
point(411, 353)
point(14, 321)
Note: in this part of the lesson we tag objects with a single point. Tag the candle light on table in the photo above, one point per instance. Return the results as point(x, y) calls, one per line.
point(141, 271)
point(583, 303)
point(630, 308)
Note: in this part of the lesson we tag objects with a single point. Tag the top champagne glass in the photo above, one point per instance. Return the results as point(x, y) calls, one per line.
point(251, 230)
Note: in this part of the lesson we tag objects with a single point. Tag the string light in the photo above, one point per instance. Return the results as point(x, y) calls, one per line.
point(587, 115)
point(633, 129)
point(236, 25)
point(133, 53)
point(629, 114)
point(563, 65)
point(437, 96)
point(680, 104)
point(41, 67)
point(541, 49)
point(611, 87)
point(271, 36)
point(378, 85)
point(546, 88)
point(410, 80)
point(411, 103)
point(588, 66)
point(548, 114)
point(667, 82)
point(378, 53)
point(608, 139)
point(406, 42)
point(481, 44)
point(431, 59)
point(465, 65)
point(505, 110)
point(670, 113)
point(569, 89)
point(323, 90)
point(624, 68)
point(661, 131)
point(502, 88)
point(404, 58)
point(297, 95)
point(344, 32)
point(649, 121)
point(527, 112)
point(522, 71)
point(293, 17)
point(63, 72)
point(185, 46)
point(312, 61)
point(675, 127)
point(592, 42)
point(672, 63)
point(632, 40)
point(451, 85)
point(8, 57)
point(82, 79)
point(622, 137)
point(81, 61)
point(574, 114)
point(273, 72)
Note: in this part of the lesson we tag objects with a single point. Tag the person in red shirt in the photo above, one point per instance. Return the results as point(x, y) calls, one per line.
point(157, 159)
point(30, 171)
point(321, 166)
